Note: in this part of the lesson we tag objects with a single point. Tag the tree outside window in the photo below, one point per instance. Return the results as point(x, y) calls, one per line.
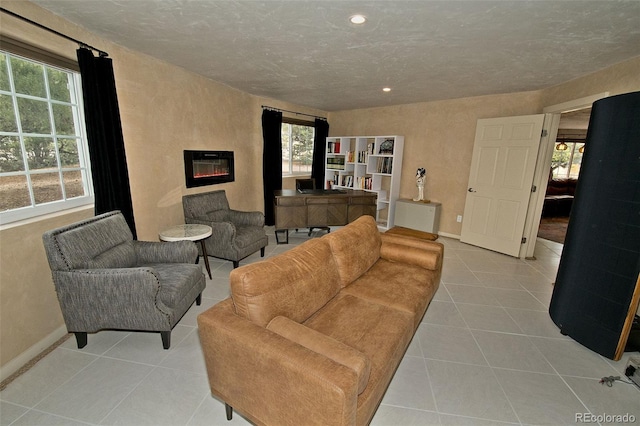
point(43, 154)
point(297, 148)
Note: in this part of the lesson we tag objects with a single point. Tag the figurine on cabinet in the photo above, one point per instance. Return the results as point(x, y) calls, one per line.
point(420, 178)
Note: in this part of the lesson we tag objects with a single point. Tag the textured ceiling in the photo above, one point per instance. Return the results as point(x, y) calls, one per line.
point(307, 52)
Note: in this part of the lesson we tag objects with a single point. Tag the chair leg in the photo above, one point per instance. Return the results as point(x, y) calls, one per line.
point(166, 339)
point(262, 252)
point(199, 299)
point(236, 263)
point(229, 410)
point(81, 339)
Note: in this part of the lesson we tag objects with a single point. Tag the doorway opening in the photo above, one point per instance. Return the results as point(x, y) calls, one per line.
point(563, 174)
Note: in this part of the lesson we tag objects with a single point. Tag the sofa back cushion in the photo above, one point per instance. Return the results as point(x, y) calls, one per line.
point(103, 241)
point(356, 247)
point(294, 284)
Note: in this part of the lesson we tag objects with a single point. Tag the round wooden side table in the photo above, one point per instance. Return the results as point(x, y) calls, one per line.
point(190, 232)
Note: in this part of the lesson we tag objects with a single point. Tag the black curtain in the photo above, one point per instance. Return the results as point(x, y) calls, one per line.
point(104, 136)
point(271, 160)
point(319, 149)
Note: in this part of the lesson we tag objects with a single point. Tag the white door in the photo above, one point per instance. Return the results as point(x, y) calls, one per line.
point(500, 182)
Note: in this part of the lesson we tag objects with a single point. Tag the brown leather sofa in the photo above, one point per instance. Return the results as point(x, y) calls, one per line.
point(314, 335)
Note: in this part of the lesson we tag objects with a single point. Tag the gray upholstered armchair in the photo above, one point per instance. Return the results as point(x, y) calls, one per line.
point(236, 234)
point(105, 279)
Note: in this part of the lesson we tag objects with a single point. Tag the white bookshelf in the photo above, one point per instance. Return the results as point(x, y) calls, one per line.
point(368, 163)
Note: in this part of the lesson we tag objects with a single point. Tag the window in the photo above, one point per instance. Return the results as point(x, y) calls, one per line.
point(44, 161)
point(297, 146)
point(566, 162)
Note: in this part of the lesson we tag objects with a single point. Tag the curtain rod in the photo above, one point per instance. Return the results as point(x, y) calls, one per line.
point(292, 112)
point(102, 53)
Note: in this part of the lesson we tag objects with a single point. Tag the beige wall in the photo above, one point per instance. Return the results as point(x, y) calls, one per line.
point(437, 136)
point(166, 109)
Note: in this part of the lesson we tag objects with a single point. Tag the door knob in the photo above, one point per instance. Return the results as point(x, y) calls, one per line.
point(471, 190)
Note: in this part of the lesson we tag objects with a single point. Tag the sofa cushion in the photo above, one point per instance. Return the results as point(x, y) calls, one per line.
point(105, 243)
point(324, 345)
point(355, 247)
point(413, 287)
point(294, 284)
point(379, 332)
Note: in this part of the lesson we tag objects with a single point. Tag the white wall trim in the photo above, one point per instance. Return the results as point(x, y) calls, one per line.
point(575, 104)
point(16, 364)
point(448, 235)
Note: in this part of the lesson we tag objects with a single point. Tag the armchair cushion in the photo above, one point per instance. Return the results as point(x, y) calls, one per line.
point(107, 243)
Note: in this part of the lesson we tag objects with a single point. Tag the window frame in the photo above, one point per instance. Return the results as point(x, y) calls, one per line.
point(298, 122)
point(76, 103)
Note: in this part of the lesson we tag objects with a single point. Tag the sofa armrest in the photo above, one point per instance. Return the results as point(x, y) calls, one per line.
point(325, 345)
point(423, 253)
point(165, 252)
point(271, 379)
point(94, 299)
point(246, 218)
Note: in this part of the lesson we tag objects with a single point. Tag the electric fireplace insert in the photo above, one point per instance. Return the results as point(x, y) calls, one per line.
point(208, 167)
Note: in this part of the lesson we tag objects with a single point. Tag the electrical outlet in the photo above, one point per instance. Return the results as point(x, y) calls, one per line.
point(459, 218)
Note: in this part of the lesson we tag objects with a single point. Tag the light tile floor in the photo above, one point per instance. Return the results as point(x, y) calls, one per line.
point(486, 353)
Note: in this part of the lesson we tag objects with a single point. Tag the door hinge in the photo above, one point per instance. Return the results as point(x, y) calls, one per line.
point(524, 240)
point(544, 133)
point(534, 188)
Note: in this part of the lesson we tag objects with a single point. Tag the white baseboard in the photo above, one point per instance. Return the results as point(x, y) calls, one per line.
point(448, 235)
point(16, 364)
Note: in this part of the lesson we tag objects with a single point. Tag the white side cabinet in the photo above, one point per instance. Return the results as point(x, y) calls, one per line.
point(418, 215)
point(368, 163)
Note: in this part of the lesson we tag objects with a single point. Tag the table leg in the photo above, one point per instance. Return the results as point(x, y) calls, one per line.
point(206, 257)
point(286, 232)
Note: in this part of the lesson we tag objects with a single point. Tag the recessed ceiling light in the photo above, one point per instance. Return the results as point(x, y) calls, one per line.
point(386, 89)
point(357, 19)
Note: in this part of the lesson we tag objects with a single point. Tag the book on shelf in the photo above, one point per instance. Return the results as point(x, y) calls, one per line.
point(336, 163)
point(384, 165)
point(333, 147)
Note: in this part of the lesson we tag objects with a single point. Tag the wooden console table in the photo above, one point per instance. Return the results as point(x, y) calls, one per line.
point(320, 208)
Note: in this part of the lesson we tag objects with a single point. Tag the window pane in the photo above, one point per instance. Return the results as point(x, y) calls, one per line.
point(576, 162)
point(14, 192)
point(10, 154)
point(28, 78)
point(41, 153)
point(58, 85)
point(34, 116)
point(4, 73)
point(284, 134)
point(63, 119)
point(73, 186)
point(302, 147)
point(68, 149)
point(46, 187)
point(7, 115)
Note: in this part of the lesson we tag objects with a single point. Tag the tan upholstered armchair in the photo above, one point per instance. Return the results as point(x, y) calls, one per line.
point(236, 234)
point(105, 279)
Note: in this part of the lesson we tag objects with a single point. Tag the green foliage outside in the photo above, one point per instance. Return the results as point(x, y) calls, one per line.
point(301, 138)
point(34, 116)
